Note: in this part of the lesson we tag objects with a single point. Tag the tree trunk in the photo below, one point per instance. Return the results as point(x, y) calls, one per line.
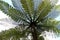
point(34, 33)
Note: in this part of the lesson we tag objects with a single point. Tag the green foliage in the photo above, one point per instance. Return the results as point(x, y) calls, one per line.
point(4, 6)
point(57, 7)
point(41, 38)
point(33, 21)
point(51, 24)
point(28, 6)
point(9, 10)
point(17, 15)
point(13, 33)
point(43, 9)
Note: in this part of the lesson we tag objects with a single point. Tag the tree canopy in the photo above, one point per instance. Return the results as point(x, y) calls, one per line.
point(31, 19)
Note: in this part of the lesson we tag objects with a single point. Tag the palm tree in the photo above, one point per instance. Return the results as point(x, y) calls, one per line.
point(31, 18)
point(11, 34)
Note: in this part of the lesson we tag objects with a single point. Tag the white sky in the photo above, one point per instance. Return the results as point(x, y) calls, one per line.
point(2, 15)
point(6, 25)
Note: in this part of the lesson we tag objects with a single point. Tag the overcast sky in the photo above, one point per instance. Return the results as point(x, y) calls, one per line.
point(7, 25)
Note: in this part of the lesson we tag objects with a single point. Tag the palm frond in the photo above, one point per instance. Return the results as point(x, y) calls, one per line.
point(4, 6)
point(57, 7)
point(16, 15)
point(18, 6)
point(28, 6)
point(48, 24)
point(43, 9)
point(33, 21)
point(55, 12)
point(12, 33)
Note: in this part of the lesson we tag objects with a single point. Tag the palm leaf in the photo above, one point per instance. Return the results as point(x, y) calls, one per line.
point(12, 33)
point(28, 6)
point(48, 24)
point(43, 9)
point(18, 6)
point(57, 7)
point(4, 6)
point(25, 14)
point(52, 25)
point(55, 12)
point(16, 15)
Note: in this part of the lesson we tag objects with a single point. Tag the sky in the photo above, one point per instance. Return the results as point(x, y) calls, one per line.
point(4, 25)
point(7, 25)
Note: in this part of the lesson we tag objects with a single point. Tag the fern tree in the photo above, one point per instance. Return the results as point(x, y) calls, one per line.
point(31, 19)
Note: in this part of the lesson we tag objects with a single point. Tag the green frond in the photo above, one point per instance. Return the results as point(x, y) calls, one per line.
point(41, 38)
point(17, 5)
point(16, 15)
point(52, 24)
point(57, 7)
point(49, 24)
point(30, 21)
point(43, 9)
point(11, 33)
point(28, 6)
point(15, 33)
point(51, 21)
point(4, 6)
point(56, 30)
